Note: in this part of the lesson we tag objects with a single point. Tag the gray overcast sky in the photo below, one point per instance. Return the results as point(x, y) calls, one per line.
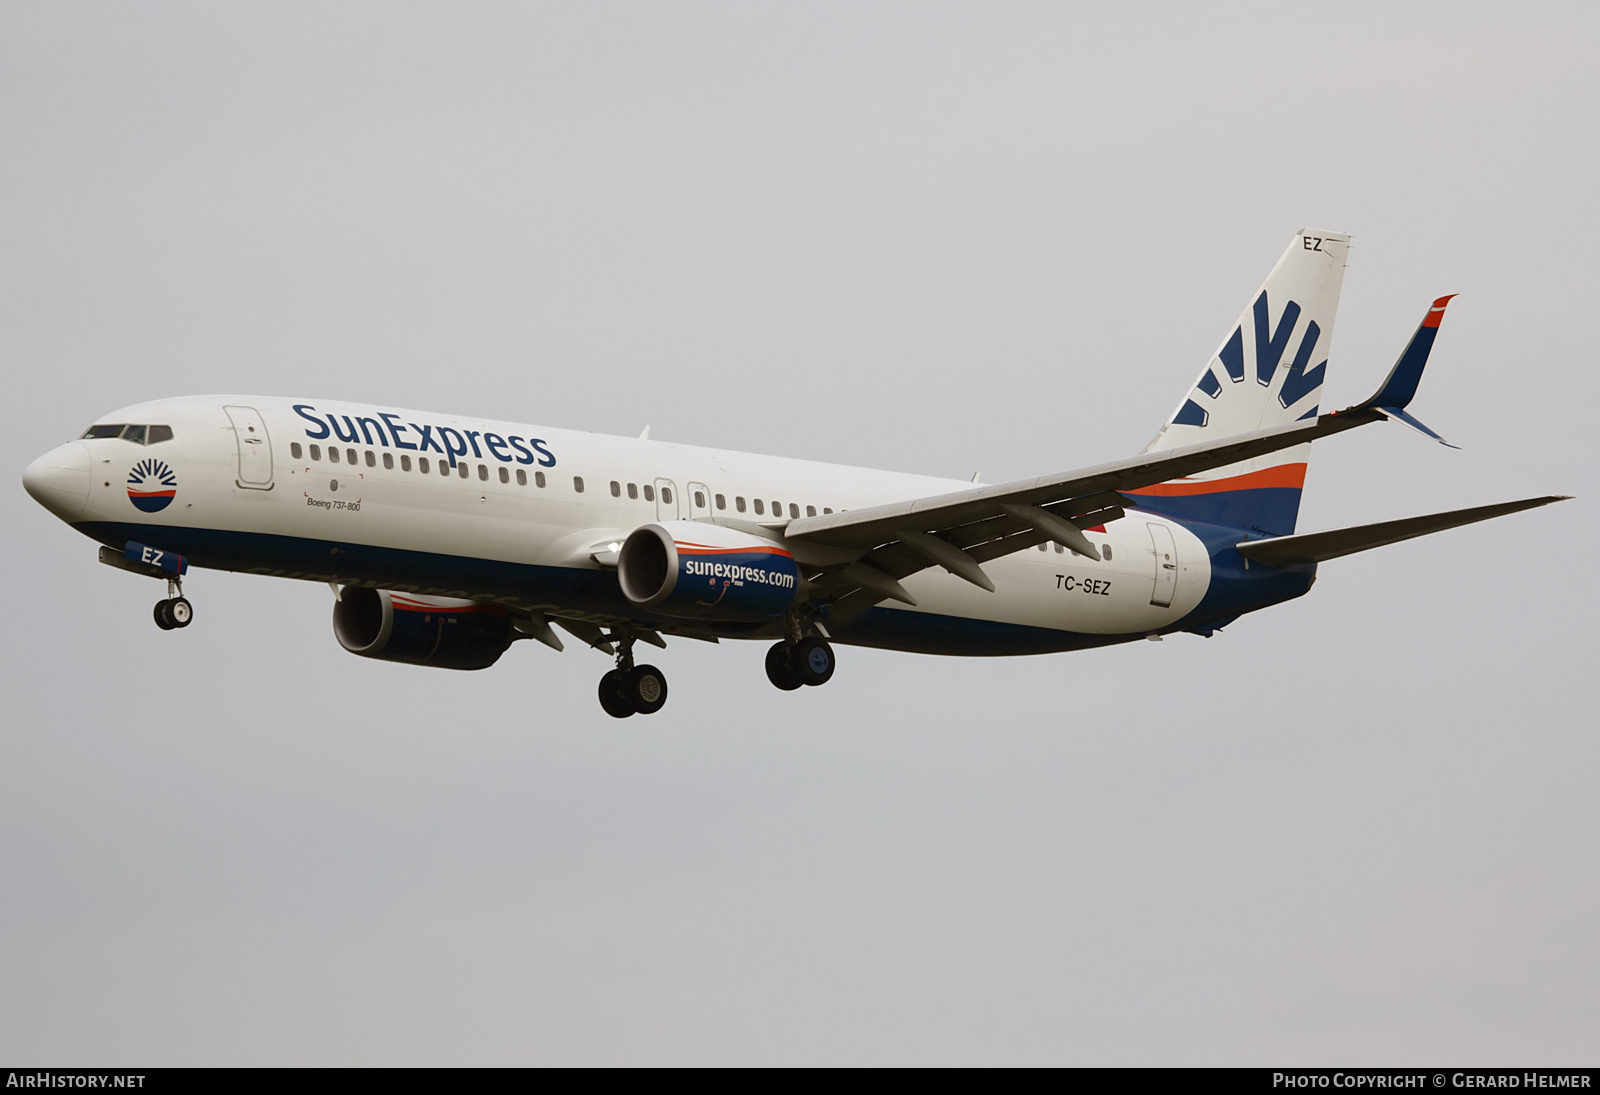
point(933, 237)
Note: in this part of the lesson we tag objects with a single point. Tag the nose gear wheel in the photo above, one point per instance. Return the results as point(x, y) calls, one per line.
point(175, 611)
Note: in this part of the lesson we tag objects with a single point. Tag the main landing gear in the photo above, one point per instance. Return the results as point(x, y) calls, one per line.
point(642, 689)
point(175, 611)
point(632, 689)
point(808, 661)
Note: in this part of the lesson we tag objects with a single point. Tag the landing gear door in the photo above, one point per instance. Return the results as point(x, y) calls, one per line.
point(699, 501)
point(255, 447)
point(1166, 560)
point(666, 500)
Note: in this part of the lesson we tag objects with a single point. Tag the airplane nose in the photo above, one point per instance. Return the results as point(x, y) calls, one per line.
point(59, 480)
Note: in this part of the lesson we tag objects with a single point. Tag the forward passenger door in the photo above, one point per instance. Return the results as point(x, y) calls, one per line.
point(255, 447)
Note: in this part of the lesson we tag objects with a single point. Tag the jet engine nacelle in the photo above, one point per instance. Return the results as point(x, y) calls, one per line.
point(703, 571)
point(438, 631)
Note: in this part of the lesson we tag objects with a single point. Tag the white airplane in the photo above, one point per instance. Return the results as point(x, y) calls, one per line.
point(448, 538)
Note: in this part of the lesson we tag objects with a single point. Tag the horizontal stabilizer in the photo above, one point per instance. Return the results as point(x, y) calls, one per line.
point(1401, 416)
point(1317, 547)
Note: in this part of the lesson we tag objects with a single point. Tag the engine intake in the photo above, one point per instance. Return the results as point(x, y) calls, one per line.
point(703, 571)
point(439, 631)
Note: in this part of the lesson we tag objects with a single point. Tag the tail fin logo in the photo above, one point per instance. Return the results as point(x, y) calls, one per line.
point(1270, 345)
point(151, 486)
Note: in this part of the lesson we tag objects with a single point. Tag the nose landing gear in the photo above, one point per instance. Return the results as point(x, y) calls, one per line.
point(632, 689)
point(175, 611)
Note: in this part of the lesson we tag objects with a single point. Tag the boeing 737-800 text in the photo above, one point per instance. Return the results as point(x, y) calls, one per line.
point(446, 538)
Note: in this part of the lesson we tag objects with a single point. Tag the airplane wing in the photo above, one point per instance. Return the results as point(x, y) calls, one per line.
point(961, 530)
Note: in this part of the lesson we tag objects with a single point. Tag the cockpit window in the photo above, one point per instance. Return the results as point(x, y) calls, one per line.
point(139, 435)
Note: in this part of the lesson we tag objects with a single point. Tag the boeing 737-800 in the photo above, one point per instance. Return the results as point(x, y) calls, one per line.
point(448, 538)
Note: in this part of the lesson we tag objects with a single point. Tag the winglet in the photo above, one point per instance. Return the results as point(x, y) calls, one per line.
point(1400, 386)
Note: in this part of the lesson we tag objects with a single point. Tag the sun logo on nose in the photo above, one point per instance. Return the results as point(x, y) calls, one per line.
point(151, 485)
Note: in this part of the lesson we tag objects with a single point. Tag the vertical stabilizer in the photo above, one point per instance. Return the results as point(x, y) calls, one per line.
point(1267, 372)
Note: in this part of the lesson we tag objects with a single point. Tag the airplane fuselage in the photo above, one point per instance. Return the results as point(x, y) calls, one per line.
point(523, 517)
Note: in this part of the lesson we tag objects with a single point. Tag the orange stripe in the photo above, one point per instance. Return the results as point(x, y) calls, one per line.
point(702, 549)
point(1284, 475)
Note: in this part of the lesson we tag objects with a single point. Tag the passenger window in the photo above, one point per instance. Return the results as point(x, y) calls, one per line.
point(649, 493)
point(577, 483)
point(738, 502)
point(538, 478)
point(461, 469)
point(722, 502)
point(483, 473)
point(158, 434)
point(405, 463)
point(505, 476)
point(699, 500)
point(826, 510)
point(422, 464)
point(522, 477)
point(759, 510)
point(316, 452)
point(633, 491)
point(444, 468)
point(666, 495)
point(1060, 549)
point(794, 510)
point(777, 509)
point(350, 454)
point(333, 455)
point(372, 461)
point(811, 511)
point(295, 450)
point(94, 432)
point(616, 489)
point(134, 434)
point(1105, 552)
point(388, 461)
